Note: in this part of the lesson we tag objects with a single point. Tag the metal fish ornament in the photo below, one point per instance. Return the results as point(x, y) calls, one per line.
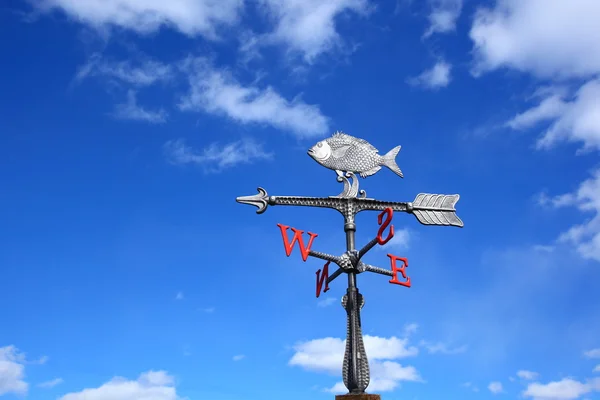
point(345, 153)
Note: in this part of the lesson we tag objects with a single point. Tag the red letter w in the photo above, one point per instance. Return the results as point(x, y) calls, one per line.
point(304, 250)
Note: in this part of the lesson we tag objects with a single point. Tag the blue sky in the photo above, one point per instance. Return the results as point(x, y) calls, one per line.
point(129, 127)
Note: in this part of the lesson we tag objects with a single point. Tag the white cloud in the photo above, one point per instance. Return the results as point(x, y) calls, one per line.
point(596, 368)
point(557, 40)
point(217, 92)
point(577, 120)
point(212, 91)
point(527, 375)
point(179, 296)
point(443, 16)
point(550, 108)
point(308, 27)
point(495, 387)
point(208, 310)
point(565, 389)
point(442, 348)
point(400, 241)
point(326, 355)
point(548, 38)
point(593, 353)
point(436, 77)
point(574, 120)
point(586, 236)
point(147, 73)
point(238, 357)
point(215, 157)
point(12, 371)
point(190, 17)
point(385, 377)
point(326, 302)
point(51, 383)
point(130, 110)
point(379, 348)
point(154, 385)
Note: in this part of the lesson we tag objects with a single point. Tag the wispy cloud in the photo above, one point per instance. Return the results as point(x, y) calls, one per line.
point(145, 73)
point(326, 302)
point(156, 385)
point(593, 353)
point(239, 357)
point(585, 236)
point(400, 241)
point(549, 108)
point(210, 90)
point(179, 296)
point(471, 386)
point(570, 119)
point(436, 77)
point(442, 348)
point(40, 361)
point(215, 157)
point(527, 375)
point(217, 92)
point(567, 388)
point(495, 387)
point(190, 17)
point(51, 383)
point(208, 310)
point(443, 15)
point(130, 110)
point(410, 329)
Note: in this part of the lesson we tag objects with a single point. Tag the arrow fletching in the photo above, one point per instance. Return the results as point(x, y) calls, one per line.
point(436, 209)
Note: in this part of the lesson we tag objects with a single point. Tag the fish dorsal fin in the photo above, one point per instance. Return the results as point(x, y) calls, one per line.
point(362, 142)
point(340, 152)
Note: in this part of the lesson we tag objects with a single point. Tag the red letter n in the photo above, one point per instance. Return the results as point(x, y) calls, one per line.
point(304, 250)
point(322, 278)
point(401, 269)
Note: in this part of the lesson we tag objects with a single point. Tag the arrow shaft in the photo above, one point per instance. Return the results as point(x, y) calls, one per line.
point(367, 247)
point(324, 256)
point(378, 205)
point(334, 275)
point(350, 206)
point(301, 201)
point(378, 270)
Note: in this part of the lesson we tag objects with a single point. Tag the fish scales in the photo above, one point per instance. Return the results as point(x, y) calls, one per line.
point(358, 158)
point(345, 153)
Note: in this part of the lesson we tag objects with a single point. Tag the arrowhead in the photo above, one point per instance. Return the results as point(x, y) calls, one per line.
point(259, 200)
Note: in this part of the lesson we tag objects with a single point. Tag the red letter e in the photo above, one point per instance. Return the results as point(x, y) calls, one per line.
point(401, 269)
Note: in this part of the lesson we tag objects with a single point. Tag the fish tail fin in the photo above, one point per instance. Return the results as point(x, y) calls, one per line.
point(389, 160)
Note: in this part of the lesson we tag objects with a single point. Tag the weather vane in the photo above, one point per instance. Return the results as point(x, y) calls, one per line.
point(349, 156)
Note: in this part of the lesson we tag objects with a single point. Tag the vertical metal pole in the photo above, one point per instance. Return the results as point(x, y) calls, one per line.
point(350, 229)
point(356, 366)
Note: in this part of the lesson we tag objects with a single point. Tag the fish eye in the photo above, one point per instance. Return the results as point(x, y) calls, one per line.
point(320, 144)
